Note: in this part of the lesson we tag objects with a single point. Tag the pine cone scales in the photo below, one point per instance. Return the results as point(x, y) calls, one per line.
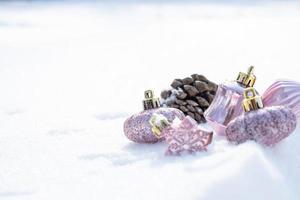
point(192, 95)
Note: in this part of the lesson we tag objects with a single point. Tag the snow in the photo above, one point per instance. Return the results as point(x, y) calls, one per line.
point(70, 74)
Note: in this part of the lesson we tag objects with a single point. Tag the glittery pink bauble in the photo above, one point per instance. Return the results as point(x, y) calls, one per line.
point(267, 126)
point(186, 136)
point(283, 93)
point(138, 129)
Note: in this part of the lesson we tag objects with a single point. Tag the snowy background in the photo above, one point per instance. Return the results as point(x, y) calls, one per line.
point(70, 74)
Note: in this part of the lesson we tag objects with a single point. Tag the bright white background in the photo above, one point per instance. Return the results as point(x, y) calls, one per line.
point(70, 74)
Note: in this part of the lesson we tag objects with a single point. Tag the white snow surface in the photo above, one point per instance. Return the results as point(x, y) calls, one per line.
point(70, 74)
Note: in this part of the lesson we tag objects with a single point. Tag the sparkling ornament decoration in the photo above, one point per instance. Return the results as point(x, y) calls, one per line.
point(184, 135)
point(267, 126)
point(137, 127)
point(227, 102)
point(284, 93)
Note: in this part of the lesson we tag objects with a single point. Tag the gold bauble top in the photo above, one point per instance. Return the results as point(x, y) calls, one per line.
point(247, 79)
point(158, 123)
point(252, 101)
point(150, 101)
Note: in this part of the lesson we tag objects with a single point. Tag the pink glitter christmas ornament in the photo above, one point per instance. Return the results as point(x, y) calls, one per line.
point(284, 93)
point(181, 136)
point(137, 127)
point(226, 104)
point(267, 126)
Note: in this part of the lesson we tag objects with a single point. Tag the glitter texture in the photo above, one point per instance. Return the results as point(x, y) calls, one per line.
point(267, 126)
point(186, 136)
point(138, 129)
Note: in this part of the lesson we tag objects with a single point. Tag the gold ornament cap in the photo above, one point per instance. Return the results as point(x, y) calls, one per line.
point(248, 79)
point(252, 101)
point(158, 123)
point(150, 101)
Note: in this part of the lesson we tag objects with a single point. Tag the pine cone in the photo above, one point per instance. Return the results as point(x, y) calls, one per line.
point(192, 95)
